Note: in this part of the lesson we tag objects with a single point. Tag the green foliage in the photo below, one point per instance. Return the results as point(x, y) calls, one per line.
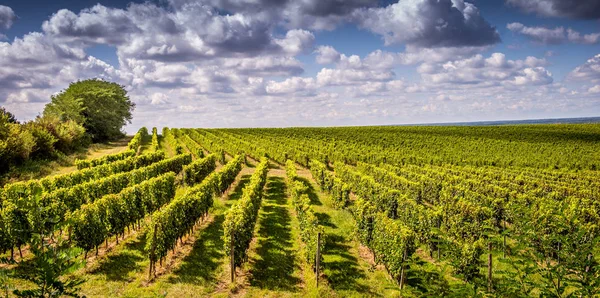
point(339, 190)
point(103, 108)
point(176, 219)
point(222, 182)
point(240, 219)
point(41, 138)
point(51, 263)
point(44, 141)
point(96, 221)
point(392, 242)
point(17, 190)
point(56, 205)
point(552, 146)
point(170, 138)
point(199, 169)
point(137, 139)
point(7, 116)
point(155, 145)
point(90, 163)
point(194, 148)
point(68, 134)
point(309, 224)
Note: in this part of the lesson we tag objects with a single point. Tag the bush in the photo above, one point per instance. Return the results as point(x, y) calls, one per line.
point(41, 138)
point(44, 140)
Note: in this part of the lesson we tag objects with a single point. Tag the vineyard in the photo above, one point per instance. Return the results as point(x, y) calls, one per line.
point(490, 211)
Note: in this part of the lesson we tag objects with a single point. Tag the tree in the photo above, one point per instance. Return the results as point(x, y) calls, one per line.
point(101, 107)
point(8, 116)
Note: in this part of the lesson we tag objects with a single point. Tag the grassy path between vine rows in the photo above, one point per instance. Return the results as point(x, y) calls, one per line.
point(347, 268)
point(273, 267)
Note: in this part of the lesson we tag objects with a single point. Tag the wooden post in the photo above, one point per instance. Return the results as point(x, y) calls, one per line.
point(558, 257)
point(232, 261)
point(504, 239)
point(490, 266)
point(318, 257)
point(402, 273)
point(153, 254)
point(589, 259)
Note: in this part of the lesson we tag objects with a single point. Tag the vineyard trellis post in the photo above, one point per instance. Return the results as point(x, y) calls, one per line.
point(152, 254)
point(402, 273)
point(318, 257)
point(232, 260)
point(490, 266)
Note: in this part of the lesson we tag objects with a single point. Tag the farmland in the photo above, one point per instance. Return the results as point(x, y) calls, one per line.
point(506, 211)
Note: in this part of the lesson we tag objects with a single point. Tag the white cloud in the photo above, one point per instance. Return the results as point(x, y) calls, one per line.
point(590, 70)
point(243, 67)
point(557, 35)
point(337, 77)
point(292, 85)
point(492, 71)
point(595, 89)
point(426, 23)
point(7, 17)
point(327, 55)
point(585, 9)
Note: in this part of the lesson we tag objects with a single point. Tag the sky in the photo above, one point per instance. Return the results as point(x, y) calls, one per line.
point(280, 63)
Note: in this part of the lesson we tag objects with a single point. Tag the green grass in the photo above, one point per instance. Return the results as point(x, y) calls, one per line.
point(347, 273)
point(274, 265)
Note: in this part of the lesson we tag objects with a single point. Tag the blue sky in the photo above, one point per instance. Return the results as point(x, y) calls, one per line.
point(240, 63)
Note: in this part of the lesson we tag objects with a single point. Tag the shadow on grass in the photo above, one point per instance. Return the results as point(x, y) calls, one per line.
point(427, 282)
point(201, 263)
point(311, 192)
point(117, 266)
point(325, 220)
point(236, 194)
point(205, 258)
point(274, 267)
point(342, 269)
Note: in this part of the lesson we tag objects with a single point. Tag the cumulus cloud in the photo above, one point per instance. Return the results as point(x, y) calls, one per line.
point(595, 89)
point(327, 55)
point(226, 58)
point(311, 14)
point(380, 59)
point(292, 85)
point(429, 23)
point(587, 9)
point(484, 72)
point(193, 32)
point(7, 17)
point(590, 70)
point(557, 35)
point(333, 77)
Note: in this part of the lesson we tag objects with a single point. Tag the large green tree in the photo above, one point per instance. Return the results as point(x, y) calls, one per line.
point(103, 108)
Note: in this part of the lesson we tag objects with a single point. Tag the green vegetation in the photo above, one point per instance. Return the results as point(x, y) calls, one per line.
point(91, 110)
point(398, 215)
point(101, 107)
point(241, 218)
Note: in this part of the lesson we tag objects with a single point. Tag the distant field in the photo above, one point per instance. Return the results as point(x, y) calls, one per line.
point(412, 211)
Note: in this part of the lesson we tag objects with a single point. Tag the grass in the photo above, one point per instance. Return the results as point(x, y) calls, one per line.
point(347, 273)
point(273, 263)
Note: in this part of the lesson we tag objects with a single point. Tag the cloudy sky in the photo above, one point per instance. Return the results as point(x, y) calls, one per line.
point(239, 63)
